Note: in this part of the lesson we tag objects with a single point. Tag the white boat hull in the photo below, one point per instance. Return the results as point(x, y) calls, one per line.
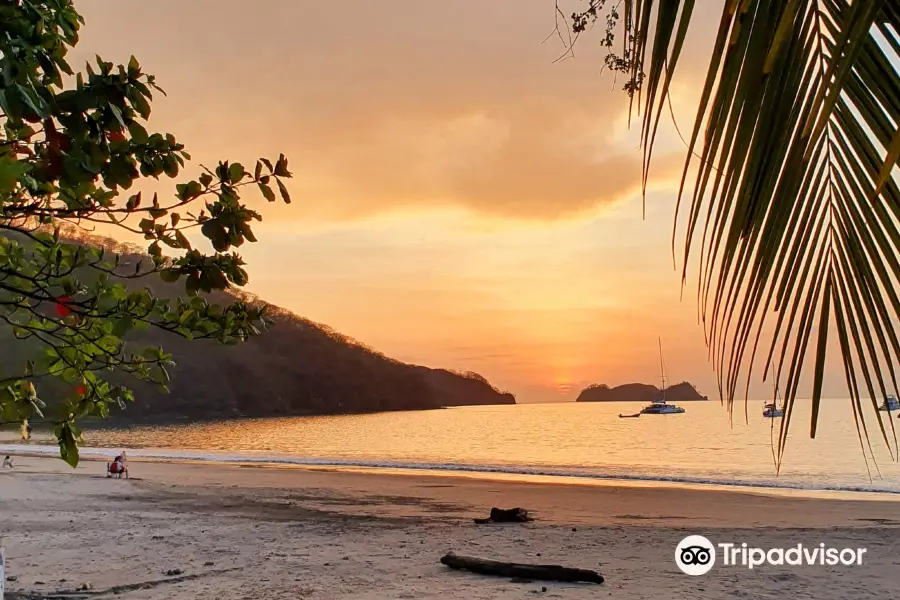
point(662, 410)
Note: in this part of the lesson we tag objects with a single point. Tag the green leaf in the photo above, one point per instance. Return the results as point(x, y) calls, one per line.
point(29, 102)
point(11, 172)
point(819, 372)
point(236, 172)
point(170, 275)
point(890, 161)
point(194, 189)
point(281, 169)
point(118, 115)
point(240, 277)
point(109, 343)
point(68, 444)
point(267, 192)
point(192, 284)
point(138, 133)
point(122, 326)
point(182, 240)
point(284, 192)
point(216, 234)
point(140, 104)
point(170, 166)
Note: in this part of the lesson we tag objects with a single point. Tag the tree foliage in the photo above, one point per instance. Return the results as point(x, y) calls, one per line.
point(794, 208)
point(71, 146)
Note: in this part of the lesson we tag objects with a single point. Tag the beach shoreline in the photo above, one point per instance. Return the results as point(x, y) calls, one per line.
point(251, 531)
point(475, 472)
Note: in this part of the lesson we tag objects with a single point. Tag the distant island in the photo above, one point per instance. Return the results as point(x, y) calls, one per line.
point(639, 392)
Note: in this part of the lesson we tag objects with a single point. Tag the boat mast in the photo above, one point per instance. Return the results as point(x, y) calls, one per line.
point(662, 369)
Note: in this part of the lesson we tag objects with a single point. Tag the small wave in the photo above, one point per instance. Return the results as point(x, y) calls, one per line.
point(514, 470)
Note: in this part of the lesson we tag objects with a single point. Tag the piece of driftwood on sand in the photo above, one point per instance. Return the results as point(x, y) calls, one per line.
point(484, 566)
point(506, 515)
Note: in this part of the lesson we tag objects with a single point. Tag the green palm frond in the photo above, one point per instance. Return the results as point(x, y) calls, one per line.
point(794, 210)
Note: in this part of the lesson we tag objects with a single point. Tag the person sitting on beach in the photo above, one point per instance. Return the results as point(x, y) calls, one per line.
point(7, 462)
point(117, 467)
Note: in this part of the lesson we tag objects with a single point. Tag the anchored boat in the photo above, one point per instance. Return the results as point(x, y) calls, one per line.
point(772, 411)
point(890, 403)
point(661, 407)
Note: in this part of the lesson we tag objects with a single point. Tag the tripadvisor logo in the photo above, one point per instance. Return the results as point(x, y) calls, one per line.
point(696, 555)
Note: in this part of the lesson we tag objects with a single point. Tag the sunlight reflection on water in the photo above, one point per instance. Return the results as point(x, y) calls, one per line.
point(583, 440)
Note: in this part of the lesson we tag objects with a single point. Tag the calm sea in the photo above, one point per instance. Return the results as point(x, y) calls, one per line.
point(587, 441)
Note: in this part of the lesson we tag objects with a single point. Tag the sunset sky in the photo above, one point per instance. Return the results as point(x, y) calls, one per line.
point(460, 200)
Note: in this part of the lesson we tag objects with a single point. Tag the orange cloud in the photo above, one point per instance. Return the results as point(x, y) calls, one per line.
point(384, 105)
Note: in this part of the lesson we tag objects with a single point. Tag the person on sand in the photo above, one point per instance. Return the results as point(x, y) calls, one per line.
point(117, 467)
point(7, 462)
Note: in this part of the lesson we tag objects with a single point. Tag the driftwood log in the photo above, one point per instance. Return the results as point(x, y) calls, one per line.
point(484, 566)
point(506, 515)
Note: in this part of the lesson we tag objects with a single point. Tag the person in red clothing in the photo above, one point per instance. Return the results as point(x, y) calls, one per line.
point(117, 467)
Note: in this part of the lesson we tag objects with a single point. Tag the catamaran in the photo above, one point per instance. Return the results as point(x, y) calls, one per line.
point(660, 406)
point(772, 410)
point(890, 403)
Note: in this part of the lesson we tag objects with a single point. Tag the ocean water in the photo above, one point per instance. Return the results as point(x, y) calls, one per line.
point(586, 441)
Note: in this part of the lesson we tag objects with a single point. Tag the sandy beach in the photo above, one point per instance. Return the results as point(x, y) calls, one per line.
point(229, 531)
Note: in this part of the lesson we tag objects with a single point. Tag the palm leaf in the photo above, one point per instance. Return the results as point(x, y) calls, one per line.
point(794, 207)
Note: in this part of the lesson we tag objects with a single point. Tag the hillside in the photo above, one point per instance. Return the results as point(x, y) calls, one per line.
point(298, 367)
point(453, 389)
point(639, 392)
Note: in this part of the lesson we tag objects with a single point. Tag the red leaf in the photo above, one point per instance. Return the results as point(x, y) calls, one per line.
point(62, 306)
point(81, 390)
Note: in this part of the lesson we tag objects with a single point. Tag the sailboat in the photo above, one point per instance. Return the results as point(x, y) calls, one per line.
point(772, 410)
point(660, 406)
point(890, 403)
